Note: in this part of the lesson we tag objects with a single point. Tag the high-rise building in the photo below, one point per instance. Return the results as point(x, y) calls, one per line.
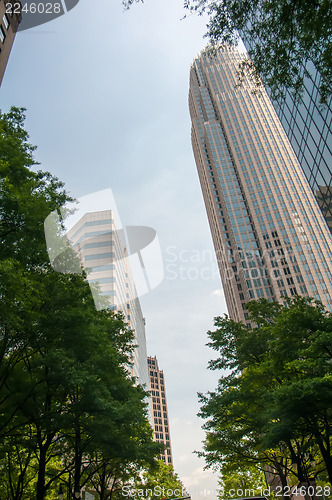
point(269, 234)
point(324, 198)
point(161, 431)
point(10, 18)
point(98, 243)
point(307, 124)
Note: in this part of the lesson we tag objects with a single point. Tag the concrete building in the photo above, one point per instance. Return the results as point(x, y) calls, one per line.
point(308, 127)
point(270, 237)
point(160, 422)
point(100, 248)
point(9, 21)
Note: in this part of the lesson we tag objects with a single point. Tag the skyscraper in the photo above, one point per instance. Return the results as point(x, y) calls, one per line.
point(98, 243)
point(9, 21)
point(308, 127)
point(269, 234)
point(160, 422)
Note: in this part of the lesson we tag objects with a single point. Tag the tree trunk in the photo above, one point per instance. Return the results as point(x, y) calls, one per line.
point(41, 474)
point(78, 461)
point(101, 491)
point(284, 484)
point(280, 469)
point(325, 454)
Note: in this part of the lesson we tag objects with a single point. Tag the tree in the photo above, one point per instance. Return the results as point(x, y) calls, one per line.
point(273, 407)
point(66, 393)
point(15, 459)
point(26, 198)
point(159, 481)
point(284, 36)
point(248, 480)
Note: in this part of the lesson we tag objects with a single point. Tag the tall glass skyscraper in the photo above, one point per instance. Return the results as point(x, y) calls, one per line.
point(269, 234)
point(308, 126)
point(97, 242)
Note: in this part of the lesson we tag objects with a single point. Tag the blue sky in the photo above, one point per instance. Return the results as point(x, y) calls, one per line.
point(106, 93)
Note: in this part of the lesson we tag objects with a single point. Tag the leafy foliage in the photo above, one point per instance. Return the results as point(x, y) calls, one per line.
point(249, 480)
point(66, 395)
point(273, 403)
point(160, 482)
point(287, 39)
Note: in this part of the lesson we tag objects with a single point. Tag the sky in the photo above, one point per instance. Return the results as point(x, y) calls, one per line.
point(106, 93)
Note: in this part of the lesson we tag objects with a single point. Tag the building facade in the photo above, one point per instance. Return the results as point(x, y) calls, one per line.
point(307, 124)
point(270, 237)
point(99, 246)
point(9, 21)
point(324, 198)
point(160, 422)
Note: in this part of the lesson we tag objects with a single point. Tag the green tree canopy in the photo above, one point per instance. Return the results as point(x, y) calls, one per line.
point(272, 406)
point(246, 481)
point(287, 38)
point(66, 392)
point(159, 481)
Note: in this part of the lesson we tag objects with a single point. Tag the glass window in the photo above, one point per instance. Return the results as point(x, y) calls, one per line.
point(99, 244)
point(97, 256)
point(96, 269)
point(5, 21)
point(2, 35)
point(103, 280)
point(92, 223)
